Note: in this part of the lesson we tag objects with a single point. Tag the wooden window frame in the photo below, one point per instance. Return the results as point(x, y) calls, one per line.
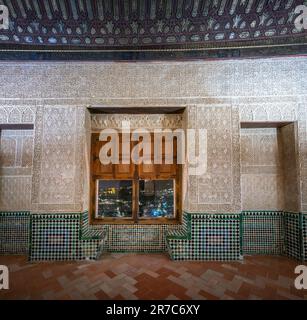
point(135, 176)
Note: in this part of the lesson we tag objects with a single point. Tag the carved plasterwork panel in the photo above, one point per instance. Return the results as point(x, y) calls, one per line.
point(17, 114)
point(148, 121)
point(262, 178)
point(16, 153)
point(289, 112)
point(219, 188)
point(147, 82)
point(57, 159)
point(269, 112)
point(86, 155)
point(15, 193)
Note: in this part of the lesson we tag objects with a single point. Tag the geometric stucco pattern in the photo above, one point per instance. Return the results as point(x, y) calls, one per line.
point(219, 188)
point(16, 154)
point(142, 84)
point(57, 155)
point(15, 193)
point(295, 112)
point(260, 90)
point(147, 121)
point(17, 114)
point(261, 170)
point(269, 112)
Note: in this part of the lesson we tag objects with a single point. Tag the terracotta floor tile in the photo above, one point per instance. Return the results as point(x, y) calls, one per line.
point(152, 276)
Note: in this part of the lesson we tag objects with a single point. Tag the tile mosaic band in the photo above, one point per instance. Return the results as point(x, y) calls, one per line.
point(201, 236)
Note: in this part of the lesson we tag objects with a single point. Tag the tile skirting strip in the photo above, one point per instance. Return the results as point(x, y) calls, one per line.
point(201, 236)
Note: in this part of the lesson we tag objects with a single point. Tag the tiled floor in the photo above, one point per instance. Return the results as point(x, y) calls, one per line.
point(152, 276)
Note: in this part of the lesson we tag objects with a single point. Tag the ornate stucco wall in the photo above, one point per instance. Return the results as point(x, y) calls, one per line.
point(290, 162)
point(58, 159)
point(262, 178)
point(16, 158)
point(217, 94)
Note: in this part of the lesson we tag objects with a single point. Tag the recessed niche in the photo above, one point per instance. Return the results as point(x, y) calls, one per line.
point(269, 179)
